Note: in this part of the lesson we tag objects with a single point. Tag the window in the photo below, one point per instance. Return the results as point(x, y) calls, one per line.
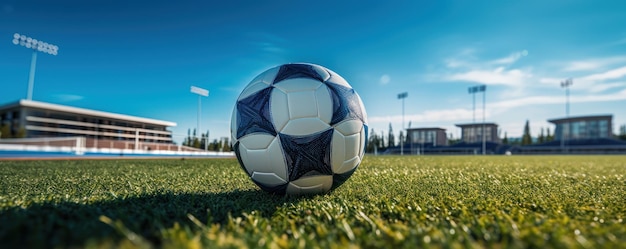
point(603, 128)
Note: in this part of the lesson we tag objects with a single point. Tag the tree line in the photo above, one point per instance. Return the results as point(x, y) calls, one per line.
point(200, 142)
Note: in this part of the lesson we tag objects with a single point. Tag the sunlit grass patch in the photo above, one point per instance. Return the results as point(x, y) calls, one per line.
point(425, 202)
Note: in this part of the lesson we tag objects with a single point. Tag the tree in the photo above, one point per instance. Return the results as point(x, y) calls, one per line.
point(187, 141)
point(622, 132)
point(541, 138)
point(526, 138)
point(214, 146)
point(195, 141)
point(408, 139)
point(372, 142)
point(452, 140)
point(401, 138)
point(21, 133)
point(549, 137)
point(202, 141)
point(5, 131)
point(505, 140)
point(381, 141)
point(391, 140)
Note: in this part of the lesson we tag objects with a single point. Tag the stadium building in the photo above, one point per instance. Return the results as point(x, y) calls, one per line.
point(35, 119)
point(473, 133)
point(583, 127)
point(591, 134)
point(430, 136)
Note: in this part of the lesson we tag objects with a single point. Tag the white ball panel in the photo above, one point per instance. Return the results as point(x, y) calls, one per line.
point(338, 151)
point(324, 104)
point(269, 75)
point(268, 179)
point(304, 126)
point(352, 145)
point(349, 127)
point(298, 85)
point(233, 126)
point(279, 109)
point(243, 154)
point(270, 160)
point(302, 104)
point(348, 165)
point(257, 141)
point(362, 144)
point(310, 185)
point(257, 161)
point(277, 160)
point(253, 88)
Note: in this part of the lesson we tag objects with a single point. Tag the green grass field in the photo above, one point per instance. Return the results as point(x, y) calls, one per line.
point(411, 202)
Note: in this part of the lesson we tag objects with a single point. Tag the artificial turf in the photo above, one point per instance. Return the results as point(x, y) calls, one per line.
point(390, 202)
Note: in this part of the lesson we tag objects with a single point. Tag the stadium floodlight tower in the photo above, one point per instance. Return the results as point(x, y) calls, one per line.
point(473, 90)
point(200, 92)
point(402, 96)
point(36, 46)
point(566, 84)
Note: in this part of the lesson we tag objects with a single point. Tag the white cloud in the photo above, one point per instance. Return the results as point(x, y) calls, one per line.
point(582, 66)
point(269, 47)
point(462, 59)
point(498, 76)
point(594, 83)
point(608, 75)
point(267, 42)
point(542, 100)
point(466, 67)
point(445, 115)
point(384, 79)
point(455, 63)
point(513, 57)
point(606, 86)
point(550, 81)
point(594, 64)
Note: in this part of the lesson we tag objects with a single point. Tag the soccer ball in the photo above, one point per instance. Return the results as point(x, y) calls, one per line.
point(299, 129)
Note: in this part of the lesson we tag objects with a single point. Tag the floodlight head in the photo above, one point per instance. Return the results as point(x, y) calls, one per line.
point(475, 89)
point(32, 43)
point(200, 91)
point(566, 83)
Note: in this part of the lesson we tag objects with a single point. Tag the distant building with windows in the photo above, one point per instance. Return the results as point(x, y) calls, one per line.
point(583, 127)
point(35, 119)
point(473, 133)
point(427, 136)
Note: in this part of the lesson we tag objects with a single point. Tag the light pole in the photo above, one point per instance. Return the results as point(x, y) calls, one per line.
point(473, 90)
point(566, 84)
point(402, 96)
point(36, 46)
point(201, 92)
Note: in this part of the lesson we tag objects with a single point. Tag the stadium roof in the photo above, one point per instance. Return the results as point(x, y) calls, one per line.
point(76, 110)
point(426, 128)
point(580, 118)
point(476, 124)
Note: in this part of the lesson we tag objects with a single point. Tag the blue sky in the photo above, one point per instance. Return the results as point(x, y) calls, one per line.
point(141, 57)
